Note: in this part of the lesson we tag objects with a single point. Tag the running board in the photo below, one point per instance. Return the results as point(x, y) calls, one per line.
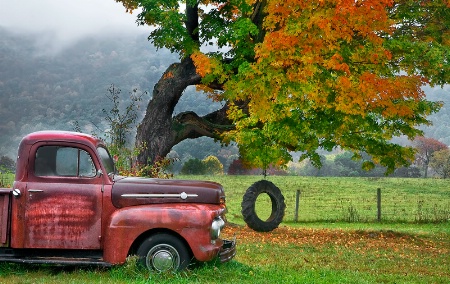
point(63, 261)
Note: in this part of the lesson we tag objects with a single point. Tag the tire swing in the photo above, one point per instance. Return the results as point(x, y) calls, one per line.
point(249, 201)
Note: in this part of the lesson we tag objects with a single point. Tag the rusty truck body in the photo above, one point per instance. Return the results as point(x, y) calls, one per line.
point(67, 206)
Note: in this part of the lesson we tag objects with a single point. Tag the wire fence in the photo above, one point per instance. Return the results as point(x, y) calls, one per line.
point(376, 205)
point(348, 199)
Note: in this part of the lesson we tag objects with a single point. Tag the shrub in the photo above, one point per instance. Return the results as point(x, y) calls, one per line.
point(212, 165)
point(193, 167)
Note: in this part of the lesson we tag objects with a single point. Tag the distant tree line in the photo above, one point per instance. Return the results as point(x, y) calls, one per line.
point(432, 159)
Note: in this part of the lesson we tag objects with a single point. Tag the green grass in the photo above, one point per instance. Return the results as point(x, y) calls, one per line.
point(287, 255)
point(317, 249)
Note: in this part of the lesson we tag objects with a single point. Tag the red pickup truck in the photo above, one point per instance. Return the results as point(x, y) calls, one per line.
point(67, 206)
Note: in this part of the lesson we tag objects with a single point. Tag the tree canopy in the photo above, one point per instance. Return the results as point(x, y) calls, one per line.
point(300, 75)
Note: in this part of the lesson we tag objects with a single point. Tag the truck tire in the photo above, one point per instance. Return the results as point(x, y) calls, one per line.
point(248, 206)
point(163, 252)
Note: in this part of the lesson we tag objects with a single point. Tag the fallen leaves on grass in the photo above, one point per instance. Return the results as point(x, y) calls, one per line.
point(378, 252)
point(359, 240)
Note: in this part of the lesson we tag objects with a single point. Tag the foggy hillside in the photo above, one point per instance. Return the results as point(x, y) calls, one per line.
point(44, 90)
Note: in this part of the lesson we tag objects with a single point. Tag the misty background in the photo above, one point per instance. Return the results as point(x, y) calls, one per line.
point(57, 60)
point(59, 57)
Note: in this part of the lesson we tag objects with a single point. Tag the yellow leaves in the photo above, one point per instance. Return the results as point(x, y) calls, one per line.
point(369, 93)
point(215, 95)
point(317, 97)
point(348, 99)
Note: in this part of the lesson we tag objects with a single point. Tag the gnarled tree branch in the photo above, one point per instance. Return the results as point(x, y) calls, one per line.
point(190, 125)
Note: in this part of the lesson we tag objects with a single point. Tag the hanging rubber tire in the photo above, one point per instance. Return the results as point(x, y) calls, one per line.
point(163, 252)
point(249, 201)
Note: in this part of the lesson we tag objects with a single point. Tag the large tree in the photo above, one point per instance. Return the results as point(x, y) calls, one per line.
point(297, 75)
point(426, 147)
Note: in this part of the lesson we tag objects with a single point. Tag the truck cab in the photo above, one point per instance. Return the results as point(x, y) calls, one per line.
point(67, 206)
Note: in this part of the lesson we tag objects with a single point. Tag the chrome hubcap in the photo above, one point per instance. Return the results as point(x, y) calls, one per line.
point(163, 257)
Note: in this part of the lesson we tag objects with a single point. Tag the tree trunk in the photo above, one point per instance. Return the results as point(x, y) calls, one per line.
point(159, 131)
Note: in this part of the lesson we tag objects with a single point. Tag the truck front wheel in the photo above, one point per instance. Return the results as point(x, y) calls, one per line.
point(163, 252)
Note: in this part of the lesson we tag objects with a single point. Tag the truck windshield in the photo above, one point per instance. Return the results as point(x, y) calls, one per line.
point(107, 161)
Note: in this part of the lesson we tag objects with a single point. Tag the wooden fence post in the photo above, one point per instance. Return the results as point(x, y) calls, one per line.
point(379, 204)
point(297, 205)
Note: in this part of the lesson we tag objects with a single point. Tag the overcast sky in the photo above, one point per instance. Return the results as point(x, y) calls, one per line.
point(68, 20)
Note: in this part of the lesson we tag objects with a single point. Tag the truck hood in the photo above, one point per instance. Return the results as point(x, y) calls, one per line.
point(131, 191)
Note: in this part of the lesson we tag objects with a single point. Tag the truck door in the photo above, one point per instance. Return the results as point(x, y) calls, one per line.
point(63, 199)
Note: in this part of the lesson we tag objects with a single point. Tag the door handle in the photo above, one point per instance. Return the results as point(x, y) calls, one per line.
point(35, 190)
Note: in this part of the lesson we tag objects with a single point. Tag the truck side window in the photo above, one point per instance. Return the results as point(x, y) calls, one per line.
point(107, 161)
point(63, 161)
point(86, 166)
point(44, 164)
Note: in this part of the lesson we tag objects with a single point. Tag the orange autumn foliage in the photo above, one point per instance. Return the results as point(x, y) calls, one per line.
point(323, 59)
point(202, 63)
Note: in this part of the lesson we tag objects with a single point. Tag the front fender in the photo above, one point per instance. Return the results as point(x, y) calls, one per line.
point(191, 221)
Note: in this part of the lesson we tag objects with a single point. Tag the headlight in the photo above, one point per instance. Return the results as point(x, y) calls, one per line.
point(216, 226)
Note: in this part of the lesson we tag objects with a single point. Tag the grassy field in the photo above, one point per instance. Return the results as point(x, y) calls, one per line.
point(323, 247)
point(331, 199)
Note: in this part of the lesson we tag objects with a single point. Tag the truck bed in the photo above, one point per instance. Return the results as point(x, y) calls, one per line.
point(5, 195)
point(5, 191)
